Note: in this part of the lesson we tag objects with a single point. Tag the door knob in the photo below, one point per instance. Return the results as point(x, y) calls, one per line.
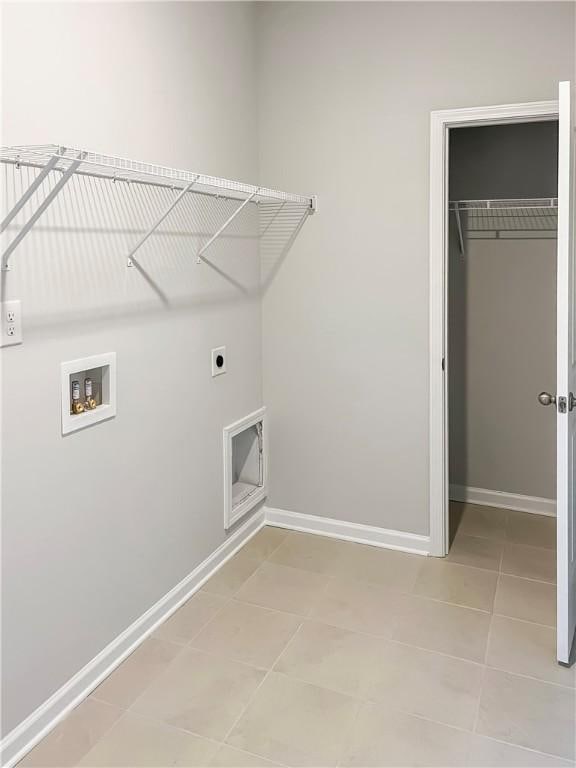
point(545, 398)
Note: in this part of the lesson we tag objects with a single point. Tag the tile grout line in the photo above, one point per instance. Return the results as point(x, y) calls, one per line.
point(178, 729)
point(484, 668)
point(258, 687)
point(387, 638)
point(527, 749)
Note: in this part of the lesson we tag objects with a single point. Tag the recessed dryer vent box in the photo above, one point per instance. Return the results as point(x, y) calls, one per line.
point(245, 466)
point(96, 376)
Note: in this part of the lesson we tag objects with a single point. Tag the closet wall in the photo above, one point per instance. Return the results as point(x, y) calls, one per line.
point(100, 524)
point(502, 329)
point(346, 91)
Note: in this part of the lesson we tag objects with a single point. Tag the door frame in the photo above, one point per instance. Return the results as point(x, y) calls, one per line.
point(441, 121)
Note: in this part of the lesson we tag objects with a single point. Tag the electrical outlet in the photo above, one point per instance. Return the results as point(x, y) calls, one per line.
point(218, 361)
point(10, 323)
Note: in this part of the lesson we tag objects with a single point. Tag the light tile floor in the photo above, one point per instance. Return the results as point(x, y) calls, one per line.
point(306, 651)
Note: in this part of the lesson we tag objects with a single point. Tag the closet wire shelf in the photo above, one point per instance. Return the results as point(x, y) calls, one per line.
point(512, 219)
point(52, 161)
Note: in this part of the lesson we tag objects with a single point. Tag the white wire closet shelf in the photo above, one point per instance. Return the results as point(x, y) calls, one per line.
point(507, 219)
point(55, 165)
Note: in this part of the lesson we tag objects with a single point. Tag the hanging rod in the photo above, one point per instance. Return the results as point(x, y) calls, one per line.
point(526, 215)
point(53, 158)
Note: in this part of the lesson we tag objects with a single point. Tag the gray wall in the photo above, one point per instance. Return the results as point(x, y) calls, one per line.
point(504, 161)
point(346, 91)
point(502, 354)
point(97, 526)
point(502, 329)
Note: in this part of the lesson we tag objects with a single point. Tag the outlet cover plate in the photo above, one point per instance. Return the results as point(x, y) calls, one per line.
point(10, 323)
point(219, 361)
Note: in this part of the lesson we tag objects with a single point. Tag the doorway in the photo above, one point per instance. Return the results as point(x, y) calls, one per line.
point(502, 232)
point(442, 123)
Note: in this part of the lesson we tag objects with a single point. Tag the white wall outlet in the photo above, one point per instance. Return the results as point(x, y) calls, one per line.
point(10, 323)
point(218, 361)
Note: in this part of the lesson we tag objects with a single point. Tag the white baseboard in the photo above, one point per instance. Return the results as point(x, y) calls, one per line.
point(340, 529)
point(28, 733)
point(515, 501)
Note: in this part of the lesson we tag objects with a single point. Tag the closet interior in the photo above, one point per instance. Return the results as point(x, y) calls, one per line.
point(502, 322)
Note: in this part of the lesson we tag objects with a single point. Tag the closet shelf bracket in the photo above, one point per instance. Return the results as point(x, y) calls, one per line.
point(459, 225)
point(224, 226)
point(54, 192)
point(154, 227)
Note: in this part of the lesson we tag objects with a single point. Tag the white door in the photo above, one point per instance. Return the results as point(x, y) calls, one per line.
point(566, 375)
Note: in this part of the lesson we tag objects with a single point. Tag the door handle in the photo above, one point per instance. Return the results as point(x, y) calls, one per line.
point(571, 401)
point(545, 398)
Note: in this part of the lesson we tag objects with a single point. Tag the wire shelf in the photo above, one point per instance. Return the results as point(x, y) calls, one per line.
point(510, 215)
point(519, 217)
point(54, 166)
point(121, 169)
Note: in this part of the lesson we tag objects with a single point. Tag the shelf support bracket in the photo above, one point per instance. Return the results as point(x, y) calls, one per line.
point(159, 221)
point(30, 191)
point(459, 225)
point(54, 192)
point(228, 221)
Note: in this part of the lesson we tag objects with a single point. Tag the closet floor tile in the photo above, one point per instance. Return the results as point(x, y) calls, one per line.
point(529, 562)
point(136, 673)
point(228, 580)
point(229, 757)
point(264, 543)
point(525, 599)
point(531, 530)
point(449, 629)
point(200, 692)
point(425, 683)
point(385, 737)
point(476, 551)
point(458, 584)
point(527, 649)
point(248, 633)
point(486, 522)
point(358, 606)
point(528, 713)
point(283, 588)
point(488, 753)
point(331, 657)
point(67, 744)
point(188, 620)
point(310, 552)
point(136, 741)
point(295, 723)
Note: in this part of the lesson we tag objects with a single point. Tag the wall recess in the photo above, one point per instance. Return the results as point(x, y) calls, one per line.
point(88, 388)
point(245, 465)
